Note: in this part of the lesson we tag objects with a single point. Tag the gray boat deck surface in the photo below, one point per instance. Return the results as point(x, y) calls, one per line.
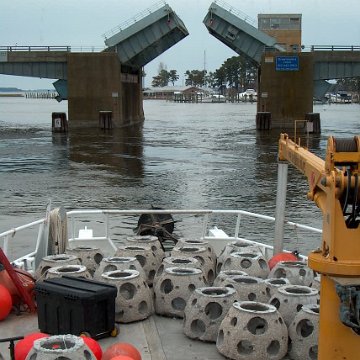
point(157, 338)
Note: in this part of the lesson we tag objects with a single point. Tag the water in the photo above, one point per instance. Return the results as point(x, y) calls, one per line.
point(186, 156)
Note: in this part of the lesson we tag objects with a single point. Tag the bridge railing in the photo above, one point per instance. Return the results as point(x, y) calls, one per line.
point(35, 48)
point(236, 12)
point(320, 48)
point(134, 19)
point(335, 48)
point(89, 48)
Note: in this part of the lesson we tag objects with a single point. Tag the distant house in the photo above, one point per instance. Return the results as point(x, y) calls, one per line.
point(169, 92)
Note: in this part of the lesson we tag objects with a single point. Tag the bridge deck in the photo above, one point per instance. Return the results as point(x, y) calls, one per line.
point(45, 62)
point(336, 64)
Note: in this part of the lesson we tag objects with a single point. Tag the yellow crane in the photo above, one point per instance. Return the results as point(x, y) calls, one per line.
point(334, 186)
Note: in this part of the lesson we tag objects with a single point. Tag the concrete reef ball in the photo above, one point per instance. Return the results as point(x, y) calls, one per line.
point(173, 289)
point(252, 331)
point(205, 310)
point(64, 347)
point(303, 333)
point(134, 298)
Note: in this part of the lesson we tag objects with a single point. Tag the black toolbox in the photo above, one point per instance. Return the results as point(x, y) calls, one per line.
point(70, 305)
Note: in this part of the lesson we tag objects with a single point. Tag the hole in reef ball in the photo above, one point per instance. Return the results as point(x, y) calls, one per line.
point(178, 303)
point(245, 347)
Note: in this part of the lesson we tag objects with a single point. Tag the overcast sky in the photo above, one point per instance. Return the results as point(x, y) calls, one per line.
point(81, 23)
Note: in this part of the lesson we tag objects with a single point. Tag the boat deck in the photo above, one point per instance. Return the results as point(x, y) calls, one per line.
point(157, 338)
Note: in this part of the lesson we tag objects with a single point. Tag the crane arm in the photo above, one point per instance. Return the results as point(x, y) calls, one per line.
point(308, 164)
point(334, 186)
point(337, 174)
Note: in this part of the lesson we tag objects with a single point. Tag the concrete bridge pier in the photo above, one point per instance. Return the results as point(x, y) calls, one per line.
point(99, 82)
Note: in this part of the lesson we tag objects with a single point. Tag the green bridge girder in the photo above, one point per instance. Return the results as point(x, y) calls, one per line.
point(34, 61)
point(147, 38)
point(336, 64)
point(238, 34)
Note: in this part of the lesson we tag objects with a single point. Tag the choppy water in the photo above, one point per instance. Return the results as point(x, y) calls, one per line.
point(186, 156)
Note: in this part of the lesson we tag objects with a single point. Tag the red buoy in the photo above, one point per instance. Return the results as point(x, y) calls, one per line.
point(23, 347)
point(94, 346)
point(5, 302)
point(124, 349)
point(283, 256)
point(122, 357)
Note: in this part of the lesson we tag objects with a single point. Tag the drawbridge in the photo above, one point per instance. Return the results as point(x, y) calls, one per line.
point(147, 36)
point(136, 42)
point(234, 29)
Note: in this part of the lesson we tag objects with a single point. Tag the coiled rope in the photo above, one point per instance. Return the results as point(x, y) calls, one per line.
point(58, 239)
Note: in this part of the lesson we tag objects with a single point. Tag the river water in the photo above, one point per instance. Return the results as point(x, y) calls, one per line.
point(185, 156)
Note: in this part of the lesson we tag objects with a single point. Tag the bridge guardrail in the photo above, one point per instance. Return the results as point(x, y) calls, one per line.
point(320, 48)
point(240, 14)
point(133, 19)
point(13, 48)
point(35, 48)
point(335, 47)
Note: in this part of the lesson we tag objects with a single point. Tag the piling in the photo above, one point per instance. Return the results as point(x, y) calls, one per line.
point(263, 121)
point(59, 122)
point(105, 120)
point(192, 97)
point(313, 122)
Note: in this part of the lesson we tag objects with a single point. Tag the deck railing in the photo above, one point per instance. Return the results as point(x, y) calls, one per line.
point(77, 219)
point(238, 215)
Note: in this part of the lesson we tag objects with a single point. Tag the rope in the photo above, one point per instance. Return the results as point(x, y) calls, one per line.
point(58, 240)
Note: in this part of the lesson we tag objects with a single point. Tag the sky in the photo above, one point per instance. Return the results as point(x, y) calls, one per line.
point(81, 24)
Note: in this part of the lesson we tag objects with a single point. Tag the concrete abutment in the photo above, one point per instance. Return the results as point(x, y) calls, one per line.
point(98, 82)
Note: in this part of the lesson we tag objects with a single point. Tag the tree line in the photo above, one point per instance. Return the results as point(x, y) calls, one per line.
point(350, 84)
point(235, 72)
